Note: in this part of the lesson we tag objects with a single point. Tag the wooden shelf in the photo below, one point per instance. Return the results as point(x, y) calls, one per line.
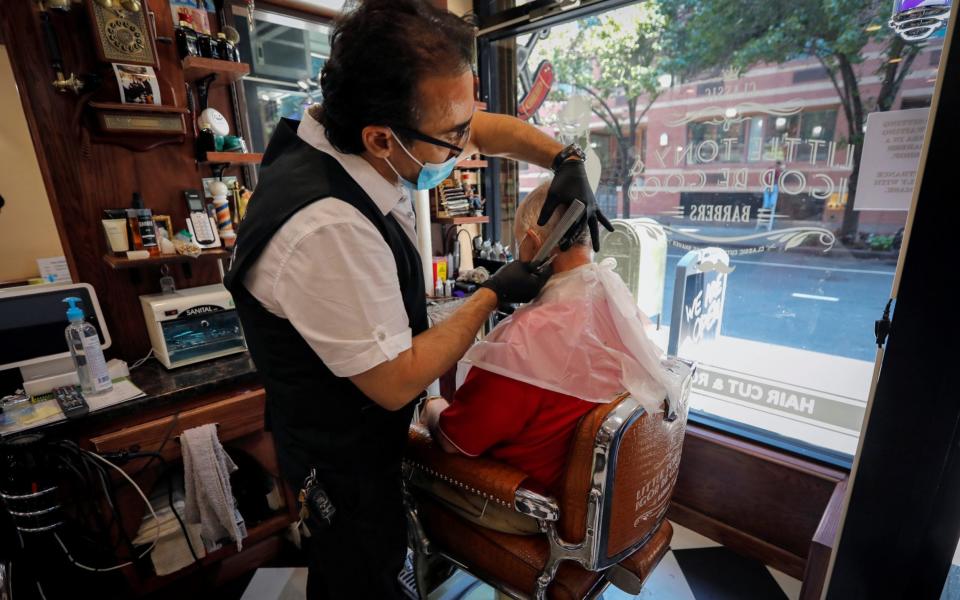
point(118, 262)
point(272, 526)
point(246, 158)
point(460, 220)
point(472, 164)
point(137, 108)
point(226, 71)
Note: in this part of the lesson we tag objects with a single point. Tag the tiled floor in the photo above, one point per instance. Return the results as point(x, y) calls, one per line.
point(696, 568)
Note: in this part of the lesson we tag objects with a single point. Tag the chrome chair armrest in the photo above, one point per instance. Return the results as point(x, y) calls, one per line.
point(538, 506)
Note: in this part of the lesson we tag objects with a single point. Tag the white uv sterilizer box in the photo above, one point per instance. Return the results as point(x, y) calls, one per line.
point(192, 325)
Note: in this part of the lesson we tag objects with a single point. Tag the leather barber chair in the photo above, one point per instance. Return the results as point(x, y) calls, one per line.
point(606, 526)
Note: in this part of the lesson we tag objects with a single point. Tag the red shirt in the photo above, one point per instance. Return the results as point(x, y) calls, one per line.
point(514, 422)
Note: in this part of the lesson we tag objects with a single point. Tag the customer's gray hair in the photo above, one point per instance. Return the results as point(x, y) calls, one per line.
point(528, 211)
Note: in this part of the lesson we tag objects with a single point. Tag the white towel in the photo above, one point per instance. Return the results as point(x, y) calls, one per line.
point(209, 498)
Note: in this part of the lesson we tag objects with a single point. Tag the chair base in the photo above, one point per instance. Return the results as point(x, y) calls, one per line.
point(514, 564)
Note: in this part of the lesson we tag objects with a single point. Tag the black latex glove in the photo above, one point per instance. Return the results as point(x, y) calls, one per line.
point(569, 184)
point(518, 282)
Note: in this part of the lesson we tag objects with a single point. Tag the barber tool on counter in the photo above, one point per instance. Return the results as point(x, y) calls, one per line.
point(192, 325)
point(28, 489)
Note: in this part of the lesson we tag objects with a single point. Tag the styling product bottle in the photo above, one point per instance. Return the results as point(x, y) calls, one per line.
point(207, 44)
point(115, 228)
point(143, 231)
point(186, 40)
point(87, 354)
point(224, 47)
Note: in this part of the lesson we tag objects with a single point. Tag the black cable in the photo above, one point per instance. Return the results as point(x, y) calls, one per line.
point(92, 531)
point(186, 533)
point(159, 451)
point(882, 327)
point(82, 512)
point(86, 480)
point(91, 475)
point(111, 494)
point(109, 490)
point(168, 473)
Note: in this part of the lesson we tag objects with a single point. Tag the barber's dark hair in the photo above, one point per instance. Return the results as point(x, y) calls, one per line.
point(379, 51)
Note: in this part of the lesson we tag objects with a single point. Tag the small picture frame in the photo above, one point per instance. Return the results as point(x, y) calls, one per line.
point(138, 84)
point(164, 222)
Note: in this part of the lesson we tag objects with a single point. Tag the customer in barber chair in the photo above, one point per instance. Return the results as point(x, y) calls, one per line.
point(526, 386)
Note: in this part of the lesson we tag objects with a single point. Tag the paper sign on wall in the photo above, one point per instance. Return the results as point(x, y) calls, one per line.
point(54, 269)
point(891, 157)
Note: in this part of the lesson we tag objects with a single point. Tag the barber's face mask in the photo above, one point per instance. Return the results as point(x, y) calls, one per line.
point(431, 174)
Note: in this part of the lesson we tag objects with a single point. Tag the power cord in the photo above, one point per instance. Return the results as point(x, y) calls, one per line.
point(93, 473)
point(168, 474)
point(140, 362)
point(166, 438)
point(122, 458)
point(156, 520)
point(183, 527)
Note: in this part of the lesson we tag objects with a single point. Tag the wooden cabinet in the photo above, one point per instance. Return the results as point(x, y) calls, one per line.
point(235, 417)
point(239, 415)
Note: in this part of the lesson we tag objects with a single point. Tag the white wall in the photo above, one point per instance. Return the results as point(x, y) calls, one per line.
point(27, 229)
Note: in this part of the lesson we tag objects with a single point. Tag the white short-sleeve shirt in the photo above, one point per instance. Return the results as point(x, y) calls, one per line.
point(329, 271)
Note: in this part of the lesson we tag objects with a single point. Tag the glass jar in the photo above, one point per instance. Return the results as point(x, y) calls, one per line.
point(225, 48)
point(186, 40)
point(208, 47)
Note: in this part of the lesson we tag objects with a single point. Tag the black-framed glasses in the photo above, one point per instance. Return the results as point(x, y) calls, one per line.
point(413, 133)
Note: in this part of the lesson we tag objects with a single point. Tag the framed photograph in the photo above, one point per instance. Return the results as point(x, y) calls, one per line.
point(164, 222)
point(138, 84)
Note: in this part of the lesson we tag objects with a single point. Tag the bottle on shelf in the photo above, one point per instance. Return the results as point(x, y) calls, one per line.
point(225, 48)
point(186, 41)
point(143, 231)
point(207, 46)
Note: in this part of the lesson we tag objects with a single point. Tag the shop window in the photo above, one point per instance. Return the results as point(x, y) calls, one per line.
point(286, 55)
point(711, 142)
point(812, 74)
point(741, 141)
point(921, 102)
point(817, 130)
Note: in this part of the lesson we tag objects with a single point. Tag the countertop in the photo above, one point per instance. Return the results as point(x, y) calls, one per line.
point(163, 387)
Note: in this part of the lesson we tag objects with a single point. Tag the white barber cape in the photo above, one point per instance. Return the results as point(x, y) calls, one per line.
point(582, 336)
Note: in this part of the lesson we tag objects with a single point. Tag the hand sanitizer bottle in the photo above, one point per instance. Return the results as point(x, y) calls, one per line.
point(87, 354)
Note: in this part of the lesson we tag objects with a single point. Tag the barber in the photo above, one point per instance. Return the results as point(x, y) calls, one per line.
point(328, 282)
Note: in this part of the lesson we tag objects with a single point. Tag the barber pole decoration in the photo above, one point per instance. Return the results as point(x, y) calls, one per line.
point(222, 208)
point(537, 95)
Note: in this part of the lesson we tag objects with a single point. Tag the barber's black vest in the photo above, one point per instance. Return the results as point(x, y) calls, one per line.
point(318, 419)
